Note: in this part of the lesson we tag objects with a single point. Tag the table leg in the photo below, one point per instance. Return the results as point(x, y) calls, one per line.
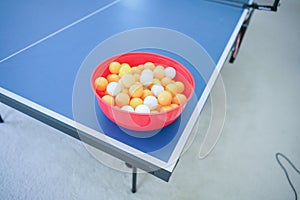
point(1, 120)
point(134, 176)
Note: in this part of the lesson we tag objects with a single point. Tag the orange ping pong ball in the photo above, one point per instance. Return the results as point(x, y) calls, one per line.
point(136, 77)
point(101, 84)
point(173, 105)
point(154, 111)
point(134, 102)
point(125, 90)
point(136, 90)
point(158, 73)
point(149, 65)
point(164, 98)
point(179, 99)
point(172, 88)
point(125, 69)
point(165, 108)
point(139, 69)
point(114, 67)
point(134, 70)
point(146, 93)
point(156, 81)
point(180, 86)
point(160, 67)
point(165, 81)
point(122, 99)
point(108, 99)
point(113, 78)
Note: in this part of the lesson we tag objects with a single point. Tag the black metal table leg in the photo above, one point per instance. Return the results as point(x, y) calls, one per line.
point(1, 120)
point(134, 176)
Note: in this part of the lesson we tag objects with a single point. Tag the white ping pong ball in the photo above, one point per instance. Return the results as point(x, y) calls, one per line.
point(127, 108)
point(170, 72)
point(114, 88)
point(156, 89)
point(151, 102)
point(142, 109)
point(146, 77)
point(147, 71)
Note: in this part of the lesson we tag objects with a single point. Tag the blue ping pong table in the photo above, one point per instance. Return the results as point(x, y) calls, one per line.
point(49, 49)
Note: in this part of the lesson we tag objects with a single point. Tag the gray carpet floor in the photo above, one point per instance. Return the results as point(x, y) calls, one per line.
point(262, 118)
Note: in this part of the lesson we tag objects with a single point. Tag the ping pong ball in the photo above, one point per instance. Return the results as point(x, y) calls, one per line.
point(146, 78)
point(113, 88)
point(173, 105)
point(114, 67)
point(136, 77)
point(154, 82)
point(172, 88)
point(125, 90)
point(122, 99)
point(142, 109)
point(165, 81)
point(149, 65)
point(164, 98)
point(170, 72)
point(125, 69)
point(140, 68)
point(158, 73)
point(156, 89)
point(113, 78)
point(160, 67)
point(136, 90)
point(101, 84)
point(108, 99)
point(148, 72)
point(151, 102)
point(179, 99)
point(154, 111)
point(134, 102)
point(128, 80)
point(165, 108)
point(180, 86)
point(127, 108)
point(146, 93)
point(134, 70)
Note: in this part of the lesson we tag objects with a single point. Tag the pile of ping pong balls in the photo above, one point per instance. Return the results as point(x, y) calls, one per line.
point(146, 88)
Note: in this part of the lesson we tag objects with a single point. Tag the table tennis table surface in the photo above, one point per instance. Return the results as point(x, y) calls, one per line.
point(49, 49)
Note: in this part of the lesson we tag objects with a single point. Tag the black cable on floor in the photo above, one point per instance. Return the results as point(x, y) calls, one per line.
point(286, 173)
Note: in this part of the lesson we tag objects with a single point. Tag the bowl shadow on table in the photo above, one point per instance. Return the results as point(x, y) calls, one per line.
point(146, 141)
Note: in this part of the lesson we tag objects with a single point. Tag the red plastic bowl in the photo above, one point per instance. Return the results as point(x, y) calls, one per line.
point(138, 121)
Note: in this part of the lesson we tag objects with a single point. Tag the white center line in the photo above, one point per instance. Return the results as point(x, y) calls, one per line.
point(60, 30)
